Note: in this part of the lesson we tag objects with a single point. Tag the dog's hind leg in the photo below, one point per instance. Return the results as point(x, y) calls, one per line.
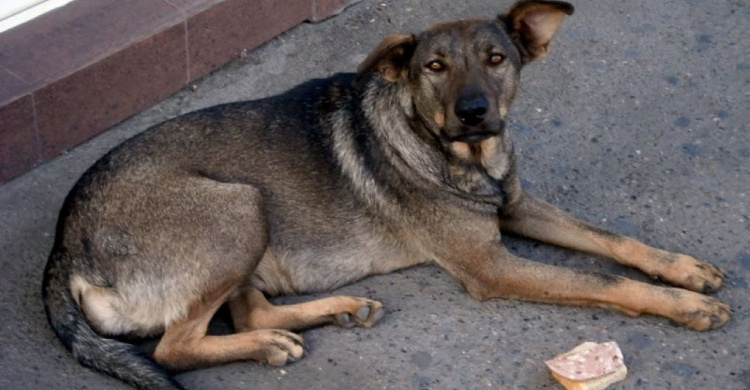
point(534, 218)
point(199, 240)
point(185, 344)
point(251, 311)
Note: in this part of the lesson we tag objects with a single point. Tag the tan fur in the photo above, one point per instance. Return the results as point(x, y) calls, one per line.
point(185, 344)
point(439, 119)
point(251, 310)
point(491, 156)
point(503, 109)
point(537, 219)
point(462, 150)
point(112, 314)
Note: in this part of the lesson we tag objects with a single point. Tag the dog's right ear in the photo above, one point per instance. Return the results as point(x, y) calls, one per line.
point(389, 58)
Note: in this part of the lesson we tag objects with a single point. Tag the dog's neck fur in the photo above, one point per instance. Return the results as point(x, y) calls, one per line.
point(420, 155)
point(392, 130)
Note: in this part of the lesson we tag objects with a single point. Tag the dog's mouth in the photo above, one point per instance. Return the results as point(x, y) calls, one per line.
point(472, 138)
point(474, 135)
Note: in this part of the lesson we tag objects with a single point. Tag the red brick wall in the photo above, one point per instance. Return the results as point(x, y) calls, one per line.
point(80, 69)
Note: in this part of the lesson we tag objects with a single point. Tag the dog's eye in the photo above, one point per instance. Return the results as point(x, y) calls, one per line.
point(436, 66)
point(496, 59)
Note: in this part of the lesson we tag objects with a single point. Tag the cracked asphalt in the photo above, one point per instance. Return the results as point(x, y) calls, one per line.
point(637, 121)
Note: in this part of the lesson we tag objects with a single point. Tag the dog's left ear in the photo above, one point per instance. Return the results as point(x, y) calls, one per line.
point(389, 58)
point(533, 23)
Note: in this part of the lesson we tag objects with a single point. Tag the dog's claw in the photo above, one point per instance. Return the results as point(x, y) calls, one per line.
point(282, 347)
point(362, 312)
point(701, 312)
point(345, 320)
point(688, 272)
point(359, 311)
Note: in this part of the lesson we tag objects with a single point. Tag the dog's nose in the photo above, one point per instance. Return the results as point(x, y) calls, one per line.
point(471, 111)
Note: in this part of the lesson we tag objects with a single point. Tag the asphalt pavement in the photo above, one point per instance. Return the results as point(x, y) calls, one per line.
point(637, 121)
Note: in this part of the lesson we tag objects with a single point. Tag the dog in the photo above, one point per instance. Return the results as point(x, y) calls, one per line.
point(407, 161)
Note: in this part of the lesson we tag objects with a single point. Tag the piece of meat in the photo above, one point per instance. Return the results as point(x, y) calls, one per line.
point(589, 366)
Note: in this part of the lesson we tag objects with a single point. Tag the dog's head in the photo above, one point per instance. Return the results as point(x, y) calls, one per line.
point(463, 75)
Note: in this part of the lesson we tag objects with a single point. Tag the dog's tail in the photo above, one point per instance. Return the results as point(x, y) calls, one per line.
point(112, 357)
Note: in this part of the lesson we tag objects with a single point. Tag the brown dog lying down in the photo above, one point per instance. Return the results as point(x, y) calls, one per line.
point(406, 162)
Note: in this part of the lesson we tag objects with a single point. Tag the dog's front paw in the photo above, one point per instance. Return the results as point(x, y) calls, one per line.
point(279, 347)
point(359, 312)
point(688, 272)
point(698, 311)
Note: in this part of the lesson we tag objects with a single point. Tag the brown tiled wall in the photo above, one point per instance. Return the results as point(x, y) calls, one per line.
point(18, 143)
point(215, 39)
point(76, 71)
point(83, 104)
point(325, 8)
